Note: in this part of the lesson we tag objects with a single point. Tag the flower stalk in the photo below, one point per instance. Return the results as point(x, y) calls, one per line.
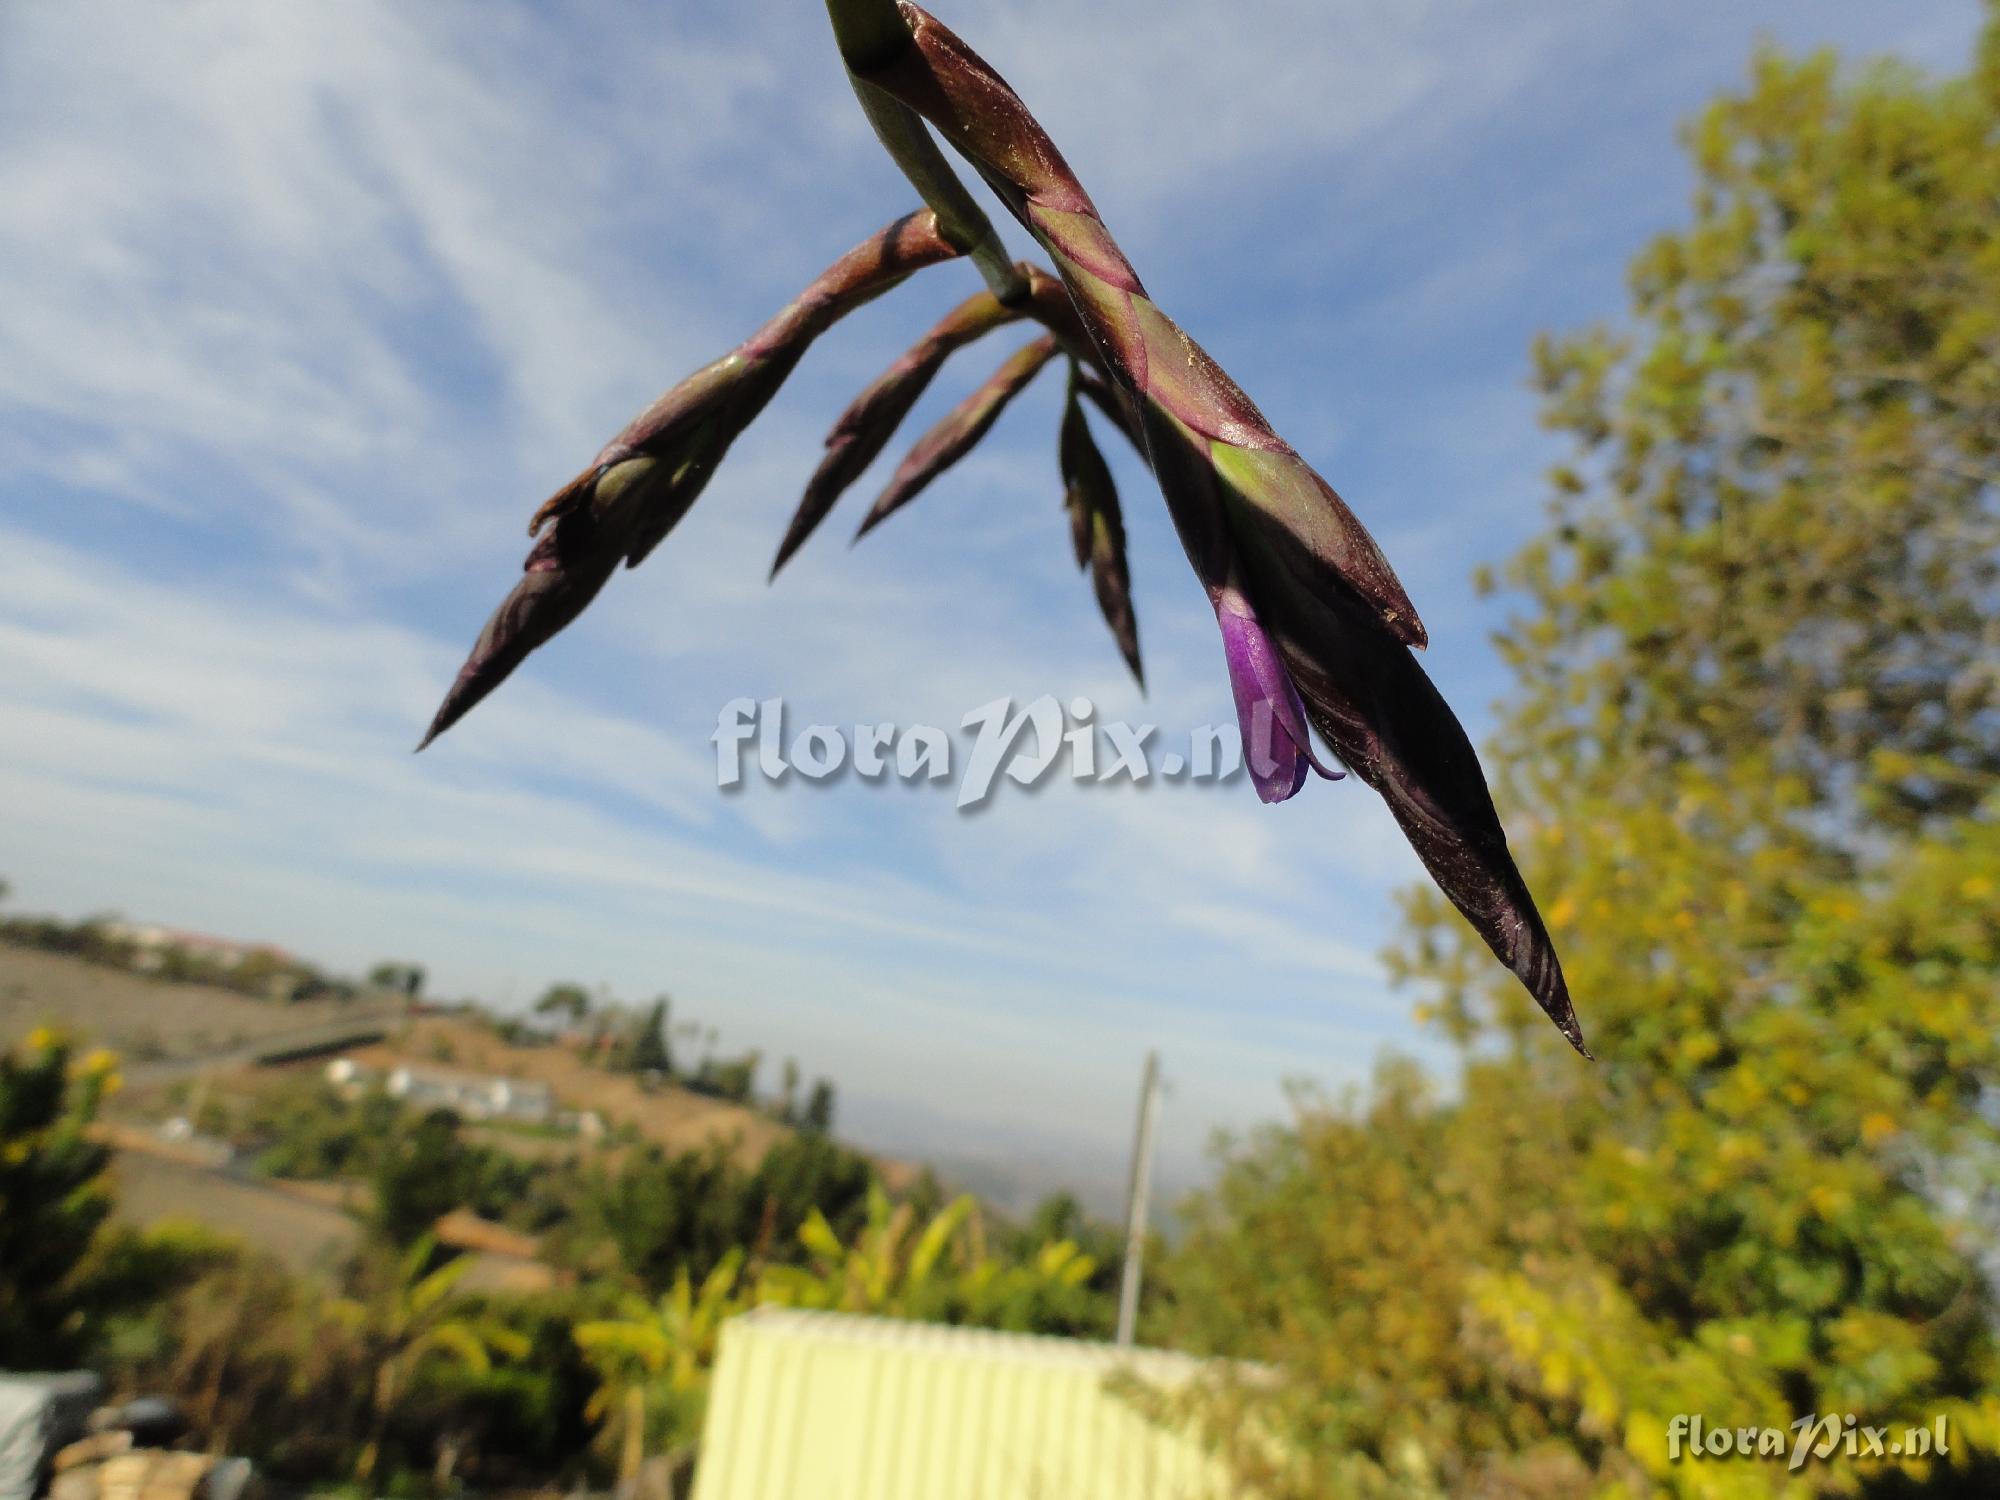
point(869, 34)
point(1253, 516)
point(1318, 632)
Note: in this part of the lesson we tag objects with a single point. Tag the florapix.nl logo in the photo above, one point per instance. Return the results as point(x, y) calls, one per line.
point(1816, 1438)
point(993, 743)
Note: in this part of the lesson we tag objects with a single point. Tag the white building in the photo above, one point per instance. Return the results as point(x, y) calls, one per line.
point(473, 1096)
point(349, 1076)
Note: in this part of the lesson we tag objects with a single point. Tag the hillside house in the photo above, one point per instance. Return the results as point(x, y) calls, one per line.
point(473, 1096)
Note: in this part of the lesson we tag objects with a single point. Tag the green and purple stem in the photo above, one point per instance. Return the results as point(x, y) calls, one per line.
point(1296, 579)
point(975, 111)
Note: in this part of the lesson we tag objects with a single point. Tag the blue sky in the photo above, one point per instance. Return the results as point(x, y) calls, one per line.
point(308, 306)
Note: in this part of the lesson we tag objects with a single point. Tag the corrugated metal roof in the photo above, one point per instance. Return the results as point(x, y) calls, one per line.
point(828, 1406)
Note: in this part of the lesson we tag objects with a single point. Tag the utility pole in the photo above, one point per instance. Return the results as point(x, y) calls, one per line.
point(1136, 1201)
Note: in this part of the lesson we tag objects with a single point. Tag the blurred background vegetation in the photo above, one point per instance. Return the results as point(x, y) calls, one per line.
point(1748, 761)
point(394, 1366)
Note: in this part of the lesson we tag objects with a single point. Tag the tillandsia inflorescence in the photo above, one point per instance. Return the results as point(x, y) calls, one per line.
point(1317, 631)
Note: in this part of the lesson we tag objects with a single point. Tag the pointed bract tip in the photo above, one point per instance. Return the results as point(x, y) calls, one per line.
point(1573, 1034)
point(814, 506)
point(825, 487)
point(466, 690)
point(1541, 972)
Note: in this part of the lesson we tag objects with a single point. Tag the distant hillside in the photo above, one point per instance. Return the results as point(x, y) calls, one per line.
point(667, 1116)
point(145, 1020)
point(167, 1032)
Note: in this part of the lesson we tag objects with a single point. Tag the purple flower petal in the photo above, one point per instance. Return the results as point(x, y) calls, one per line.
point(1277, 747)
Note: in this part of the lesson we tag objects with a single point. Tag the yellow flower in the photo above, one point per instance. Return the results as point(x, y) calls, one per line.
point(42, 1039)
point(1828, 1202)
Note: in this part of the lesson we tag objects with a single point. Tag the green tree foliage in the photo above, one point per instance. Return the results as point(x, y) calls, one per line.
point(941, 1270)
point(734, 1079)
point(401, 978)
point(650, 1051)
point(405, 1318)
point(800, 1176)
point(395, 1373)
point(1750, 757)
point(571, 1000)
point(788, 1092)
point(1060, 1217)
point(312, 1132)
point(653, 1362)
point(268, 1365)
point(819, 1107)
point(661, 1213)
point(421, 1173)
point(317, 1132)
point(523, 1418)
point(53, 1199)
point(657, 1212)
